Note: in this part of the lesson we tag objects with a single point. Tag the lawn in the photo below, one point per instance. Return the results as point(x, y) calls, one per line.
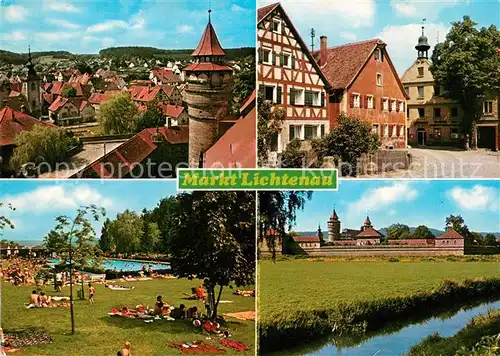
point(100, 334)
point(315, 284)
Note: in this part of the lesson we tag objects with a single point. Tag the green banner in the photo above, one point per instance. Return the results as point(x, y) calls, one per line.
point(256, 179)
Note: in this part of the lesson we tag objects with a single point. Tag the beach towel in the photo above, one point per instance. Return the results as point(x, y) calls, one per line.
point(120, 288)
point(225, 301)
point(196, 347)
point(57, 299)
point(248, 315)
point(233, 344)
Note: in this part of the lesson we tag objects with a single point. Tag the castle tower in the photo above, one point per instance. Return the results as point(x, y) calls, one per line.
point(31, 88)
point(320, 234)
point(333, 227)
point(367, 224)
point(209, 85)
point(422, 46)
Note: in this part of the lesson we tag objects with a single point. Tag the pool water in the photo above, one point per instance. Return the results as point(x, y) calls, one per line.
point(126, 265)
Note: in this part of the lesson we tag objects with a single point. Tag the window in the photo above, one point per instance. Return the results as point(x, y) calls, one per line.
point(356, 100)
point(294, 132)
point(386, 130)
point(401, 131)
point(437, 113)
point(298, 96)
point(421, 113)
point(488, 107)
point(393, 105)
point(437, 90)
point(266, 56)
point(420, 92)
point(286, 60)
point(375, 129)
point(316, 98)
point(276, 26)
point(454, 112)
point(308, 100)
point(454, 133)
point(369, 101)
point(269, 93)
point(385, 104)
point(402, 106)
point(394, 130)
point(379, 55)
point(420, 71)
point(310, 132)
point(379, 79)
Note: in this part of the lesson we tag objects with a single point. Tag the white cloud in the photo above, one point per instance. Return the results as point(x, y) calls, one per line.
point(478, 197)
point(401, 41)
point(138, 21)
point(106, 41)
point(108, 26)
point(63, 24)
point(57, 36)
point(184, 29)
point(61, 6)
point(348, 36)
point(357, 13)
point(422, 9)
point(383, 198)
point(57, 198)
point(404, 8)
point(13, 36)
point(14, 13)
point(236, 8)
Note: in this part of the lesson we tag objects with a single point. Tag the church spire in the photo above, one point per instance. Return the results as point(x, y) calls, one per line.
point(209, 44)
point(422, 46)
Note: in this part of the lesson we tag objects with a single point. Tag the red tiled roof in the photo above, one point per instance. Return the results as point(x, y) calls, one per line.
point(301, 238)
point(58, 104)
point(236, 148)
point(166, 76)
point(83, 104)
point(206, 66)
point(48, 97)
point(135, 151)
point(58, 87)
point(451, 234)
point(141, 93)
point(46, 86)
point(209, 44)
point(249, 101)
point(264, 11)
point(99, 98)
point(171, 110)
point(368, 233)
point(343, 63)
point(13, 122)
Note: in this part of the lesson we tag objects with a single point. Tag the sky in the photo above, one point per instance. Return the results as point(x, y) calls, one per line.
point(397, 22)
point(408, 202)
point(39, 202)
point(86, 26)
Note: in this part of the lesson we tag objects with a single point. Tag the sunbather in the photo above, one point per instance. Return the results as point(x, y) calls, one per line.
point(125, 351)
point(179, 313)
point(34, 298)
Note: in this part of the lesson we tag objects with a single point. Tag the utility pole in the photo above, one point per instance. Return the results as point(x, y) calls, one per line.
point(313, 34)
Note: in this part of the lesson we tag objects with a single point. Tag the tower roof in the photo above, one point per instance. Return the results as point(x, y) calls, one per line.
point(334, 215)
point(367, 221)
point(209, 44)
point(31, 68)
point(422, 44)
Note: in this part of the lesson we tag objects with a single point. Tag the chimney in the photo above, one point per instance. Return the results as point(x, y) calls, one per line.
point(322, 50)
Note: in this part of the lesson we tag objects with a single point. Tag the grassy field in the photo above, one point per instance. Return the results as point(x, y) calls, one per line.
point(315, 284)
point(100, 334)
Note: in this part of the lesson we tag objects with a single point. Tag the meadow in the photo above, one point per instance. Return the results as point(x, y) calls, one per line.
point(312, 296)
point(100, 334)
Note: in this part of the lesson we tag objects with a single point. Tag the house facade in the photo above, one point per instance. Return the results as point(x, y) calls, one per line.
point(71, 111)
point(289, 76)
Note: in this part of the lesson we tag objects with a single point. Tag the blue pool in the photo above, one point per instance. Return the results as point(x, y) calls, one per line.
point(126, 265)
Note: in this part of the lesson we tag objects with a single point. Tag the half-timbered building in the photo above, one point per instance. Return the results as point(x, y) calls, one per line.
point(290, 77)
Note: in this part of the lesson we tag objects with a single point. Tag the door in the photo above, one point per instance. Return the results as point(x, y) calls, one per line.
point(421, 137)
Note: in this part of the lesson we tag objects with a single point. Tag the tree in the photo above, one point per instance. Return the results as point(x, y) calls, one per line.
point(292, 156)
point(490, 240)
point(106, 243)
point(457, 223)
point(126, 231)
point(269, 125)
point(423, 232)
point(346, 142)
point(151, 117)
point(244, 85)
point(83, 67)
point(151, 233)
point(215, 241)
point(5, 222)
point(466, 65)
point(68, 92)
point(118, 115)
point(73, 239)
point(277, 211)
point(398, 232)
point(165, 216)
point(43, 144)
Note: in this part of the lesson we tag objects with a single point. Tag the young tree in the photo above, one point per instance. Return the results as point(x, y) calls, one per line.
point(346, 142)
point(398, 232)
point(276, 212)
point(423, 232)
point(68, 92)
point(118, 115)
point(73, 239)
point(269, 125)
point(42, 144)
point(151, 117)
point(126, 231)
point(215, 241)
point(466, 65)
point(106, 243)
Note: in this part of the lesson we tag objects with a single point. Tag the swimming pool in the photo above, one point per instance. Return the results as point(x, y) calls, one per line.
point(126, 265)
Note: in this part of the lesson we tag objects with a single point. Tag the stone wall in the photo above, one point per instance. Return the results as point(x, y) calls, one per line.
point(385, 250)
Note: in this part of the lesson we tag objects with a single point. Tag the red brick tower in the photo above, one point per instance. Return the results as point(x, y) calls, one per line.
point(209, 85)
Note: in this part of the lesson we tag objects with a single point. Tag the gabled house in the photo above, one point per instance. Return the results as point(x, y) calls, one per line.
point(167, 94)
point(71, 111)
point(289, 76)
point(175, 115)
point(364, 83)
point(164, 77)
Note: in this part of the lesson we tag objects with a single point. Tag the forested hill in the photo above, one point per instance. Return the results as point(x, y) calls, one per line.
point(21, 58)
point(173, 54)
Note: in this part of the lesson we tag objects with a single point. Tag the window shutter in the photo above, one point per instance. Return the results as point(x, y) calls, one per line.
point(290, 132)
point(352, 101)
point(322, 99)
point(361, 98)
point(292, 96)
point(261, 55)
point(282, 59)
point(278, 94)
point(274, 58)
point(404, 107)
point(374, 102)
point(382, 104)
point(293, 62)
point(397, 106)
